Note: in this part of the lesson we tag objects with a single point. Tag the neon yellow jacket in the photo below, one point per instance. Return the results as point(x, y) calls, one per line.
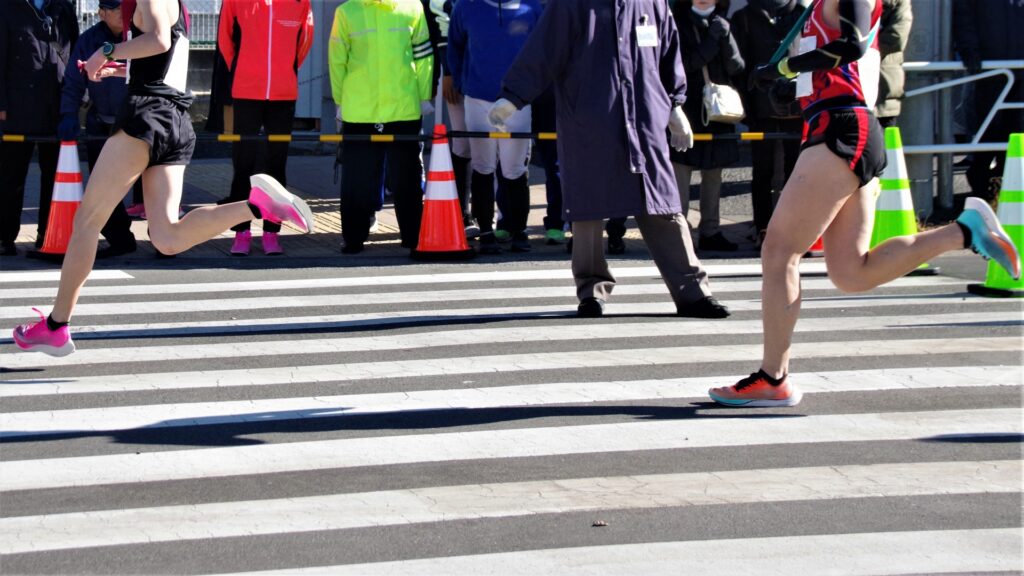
point(380, 59)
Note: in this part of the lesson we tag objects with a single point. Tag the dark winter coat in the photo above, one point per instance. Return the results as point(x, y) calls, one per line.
point(992, 30)
point(893, 34)
point(613, 98)
point(722, 58)
point(34, 50)
point(759, 28)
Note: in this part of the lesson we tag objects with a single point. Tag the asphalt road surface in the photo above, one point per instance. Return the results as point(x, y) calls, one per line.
point(460, 420)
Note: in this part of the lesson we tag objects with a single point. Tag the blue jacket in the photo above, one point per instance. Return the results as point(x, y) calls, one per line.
point(484, 38)
point(107, 95)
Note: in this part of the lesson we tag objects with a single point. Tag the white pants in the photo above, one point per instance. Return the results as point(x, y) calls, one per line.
point(485, 152)
point(457, 116)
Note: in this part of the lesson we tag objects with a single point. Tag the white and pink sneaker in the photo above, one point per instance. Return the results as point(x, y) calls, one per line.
point(279, 205)
point(39, 338)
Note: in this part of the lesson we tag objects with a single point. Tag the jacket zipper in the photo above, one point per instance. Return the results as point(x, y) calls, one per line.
point(270, 44)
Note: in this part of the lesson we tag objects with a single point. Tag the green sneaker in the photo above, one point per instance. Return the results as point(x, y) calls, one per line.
point(555, 236)
point(503, 235)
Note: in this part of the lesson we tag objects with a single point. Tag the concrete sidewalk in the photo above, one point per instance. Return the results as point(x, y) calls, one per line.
point(313, 178)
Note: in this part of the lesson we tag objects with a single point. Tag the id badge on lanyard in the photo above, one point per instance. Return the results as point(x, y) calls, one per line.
point(646, 34)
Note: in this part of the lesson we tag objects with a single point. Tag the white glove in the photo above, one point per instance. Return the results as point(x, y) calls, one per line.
point(679, 127)
point(337, 118)
point(426, 108)
point(500, 112)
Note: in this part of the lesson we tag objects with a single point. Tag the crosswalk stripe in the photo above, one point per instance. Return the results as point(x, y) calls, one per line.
point(560, 273)
point(493, 364)
point(435, 316)
point(482, 501)
point(513, 443)
point(570, 331)
point(878, 553)
point(108, 419)
point(127, 290)
point(447, 296)
point(54, 276)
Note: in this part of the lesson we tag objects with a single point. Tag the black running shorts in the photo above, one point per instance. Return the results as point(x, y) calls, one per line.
point(854, 135)
point(162, 124)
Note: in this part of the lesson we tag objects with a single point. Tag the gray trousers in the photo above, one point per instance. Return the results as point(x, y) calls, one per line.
point(710, 196)
point(668, 241)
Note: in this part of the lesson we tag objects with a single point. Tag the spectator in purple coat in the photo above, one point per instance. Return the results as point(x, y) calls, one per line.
point(619, 88)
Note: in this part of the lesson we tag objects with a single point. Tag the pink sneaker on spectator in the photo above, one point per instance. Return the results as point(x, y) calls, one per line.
point(243, 241)
point(271, 244)
point(279, 205)
point(39, 338)
point(137, 211)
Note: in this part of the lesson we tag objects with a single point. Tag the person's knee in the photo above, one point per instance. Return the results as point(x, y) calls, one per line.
point(90, 218)
point(848, 278)
point(778, 251)
point(166, 242)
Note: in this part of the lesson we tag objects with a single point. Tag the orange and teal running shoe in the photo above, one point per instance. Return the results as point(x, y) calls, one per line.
point(758, 390)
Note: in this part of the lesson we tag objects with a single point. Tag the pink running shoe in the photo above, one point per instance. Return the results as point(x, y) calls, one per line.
point(271, 244)
point(39, 338)
point(279, 205)
point(243, 241)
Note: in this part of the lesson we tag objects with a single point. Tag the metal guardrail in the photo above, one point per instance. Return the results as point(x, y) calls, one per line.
point(992, 69)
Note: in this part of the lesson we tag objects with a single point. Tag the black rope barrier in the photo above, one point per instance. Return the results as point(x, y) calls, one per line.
point(384, 138)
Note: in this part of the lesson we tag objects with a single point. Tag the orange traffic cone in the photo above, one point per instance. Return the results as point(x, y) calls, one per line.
point(67, 196)
point(817, 249)
point(442, 236)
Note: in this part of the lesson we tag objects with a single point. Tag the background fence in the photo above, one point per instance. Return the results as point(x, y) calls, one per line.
point(203, 14)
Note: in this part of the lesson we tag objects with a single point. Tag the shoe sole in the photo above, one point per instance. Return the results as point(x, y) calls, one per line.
point(1000, 236)
point(55, 351)
point(274, 189)
point(793, 400)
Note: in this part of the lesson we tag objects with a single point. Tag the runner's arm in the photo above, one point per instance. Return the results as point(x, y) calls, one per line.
point(854, 27)
point(155, 23)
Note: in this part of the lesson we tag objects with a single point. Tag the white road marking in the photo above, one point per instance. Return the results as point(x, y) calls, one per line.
point(109, 419)
point(569, 331)
point(699, 432)
point(878, 553)
point(500, 363)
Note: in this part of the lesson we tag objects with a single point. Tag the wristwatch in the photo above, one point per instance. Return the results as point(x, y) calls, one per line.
point(108, 51)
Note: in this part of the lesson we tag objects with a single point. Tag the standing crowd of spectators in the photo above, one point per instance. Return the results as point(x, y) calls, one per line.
point(386, 59)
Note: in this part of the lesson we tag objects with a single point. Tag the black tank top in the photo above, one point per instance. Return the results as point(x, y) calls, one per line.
point(164, 74)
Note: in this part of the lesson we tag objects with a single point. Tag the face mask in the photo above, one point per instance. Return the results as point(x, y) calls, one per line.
point(705, 12)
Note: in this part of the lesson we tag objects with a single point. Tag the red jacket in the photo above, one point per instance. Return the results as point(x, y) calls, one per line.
point(264, 42)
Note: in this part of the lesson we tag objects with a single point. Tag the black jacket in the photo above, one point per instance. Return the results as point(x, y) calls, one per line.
point(34, 50)
point(759, 28)
point(699, 49)
point(990, 30)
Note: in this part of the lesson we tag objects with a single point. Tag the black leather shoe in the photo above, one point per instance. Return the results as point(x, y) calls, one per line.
point(717, 242)
point(111, 251)
point(590, 308)
point(616, 246)
point(706, 307)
